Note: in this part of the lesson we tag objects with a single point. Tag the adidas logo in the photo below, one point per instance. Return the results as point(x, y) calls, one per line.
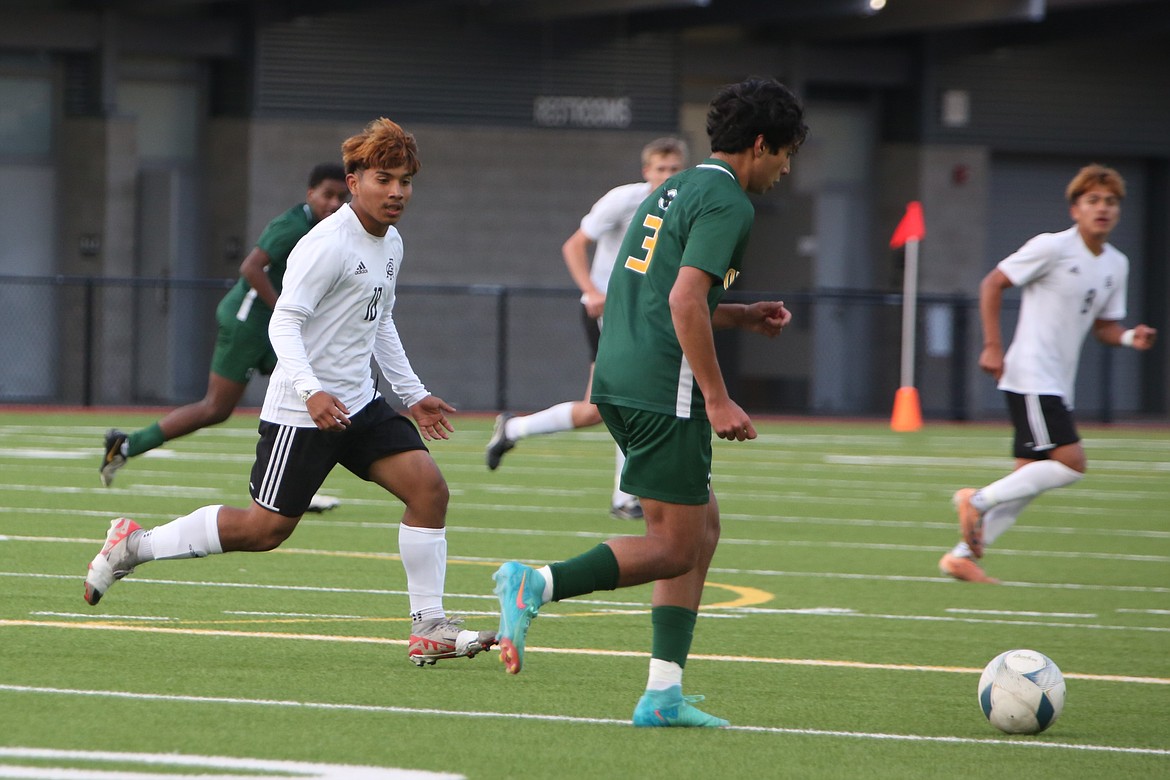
point(361, 269)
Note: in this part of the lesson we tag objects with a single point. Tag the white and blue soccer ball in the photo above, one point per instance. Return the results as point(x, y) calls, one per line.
point(1021, 692)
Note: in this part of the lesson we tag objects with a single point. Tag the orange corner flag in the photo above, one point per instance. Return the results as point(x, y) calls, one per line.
point(911, 228)
point(907, 410)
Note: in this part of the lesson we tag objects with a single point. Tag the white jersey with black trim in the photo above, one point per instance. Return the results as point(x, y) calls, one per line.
point(1064, 289)
point(606, 225)
point(334, 313)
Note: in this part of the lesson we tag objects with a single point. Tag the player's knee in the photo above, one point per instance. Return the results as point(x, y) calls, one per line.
point(213, 412)
point(712, 533)
point(428, 502)
point(676, 560)
point(438, 494)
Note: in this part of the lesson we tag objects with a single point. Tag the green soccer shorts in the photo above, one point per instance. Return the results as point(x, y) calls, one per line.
point(241, 349)
point(667, 458)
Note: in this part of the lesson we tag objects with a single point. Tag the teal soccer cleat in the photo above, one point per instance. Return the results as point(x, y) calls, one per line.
point(671, 708)
point(520, 589)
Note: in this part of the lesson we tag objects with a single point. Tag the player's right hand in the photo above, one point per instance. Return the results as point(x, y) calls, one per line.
point(991, 361)
point(327, 411)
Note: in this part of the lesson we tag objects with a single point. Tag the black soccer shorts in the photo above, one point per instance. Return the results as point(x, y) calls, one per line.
point(292, 463)
point(1042, 424)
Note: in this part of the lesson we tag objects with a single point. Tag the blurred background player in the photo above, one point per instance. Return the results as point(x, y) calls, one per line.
point(322, 408)
point(661, 393)
point(241, 344)
point(1071, 282)
point(605, 226)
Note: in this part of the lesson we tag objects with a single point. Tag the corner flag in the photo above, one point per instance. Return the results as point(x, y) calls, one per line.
point(911, 228)
point(907, 410)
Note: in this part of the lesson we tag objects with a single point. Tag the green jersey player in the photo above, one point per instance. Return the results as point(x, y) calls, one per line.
point(241, 344)
point(659, 389)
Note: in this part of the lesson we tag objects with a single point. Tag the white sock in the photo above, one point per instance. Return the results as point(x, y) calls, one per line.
point(1028, 481)
point(550, 420)
point(546, 572)
point(961, 550)
point(995, 521)
point(191, 536)
point(620, 497)
point(663, 675)
point(1002, 517)
point(424, 556)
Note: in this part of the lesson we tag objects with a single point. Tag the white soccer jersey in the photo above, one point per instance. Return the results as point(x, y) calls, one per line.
point(1064, 288)
point(606, 224)
point(334, 312)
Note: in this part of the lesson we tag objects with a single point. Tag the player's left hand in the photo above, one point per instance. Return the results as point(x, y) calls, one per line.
point(767, 317)
point(730, 421)
point(431, 415)
point(1144, 336)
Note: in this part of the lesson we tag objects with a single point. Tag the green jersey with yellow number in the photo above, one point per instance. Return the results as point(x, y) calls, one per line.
point(702, 218)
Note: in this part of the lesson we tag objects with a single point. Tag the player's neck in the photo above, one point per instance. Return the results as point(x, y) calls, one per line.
point(740, 162)
point(1095, 242)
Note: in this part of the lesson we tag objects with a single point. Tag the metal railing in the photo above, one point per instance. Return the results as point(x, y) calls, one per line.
point(147, 341)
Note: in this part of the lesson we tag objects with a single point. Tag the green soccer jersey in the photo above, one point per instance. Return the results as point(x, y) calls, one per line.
point(242, 303)
point(701, 218)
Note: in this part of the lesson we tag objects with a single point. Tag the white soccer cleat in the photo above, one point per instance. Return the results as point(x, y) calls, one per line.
point(434, 640)
point(113, 562)
point(323, 503)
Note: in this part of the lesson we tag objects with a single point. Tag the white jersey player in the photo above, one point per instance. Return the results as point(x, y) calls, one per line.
point(1071, 282)
point(321, 408)
point(604, 226)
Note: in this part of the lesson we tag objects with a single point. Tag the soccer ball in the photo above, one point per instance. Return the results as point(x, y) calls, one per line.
point(1021, 692)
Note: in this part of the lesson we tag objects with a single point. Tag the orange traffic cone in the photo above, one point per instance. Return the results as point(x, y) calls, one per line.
point(907, 411)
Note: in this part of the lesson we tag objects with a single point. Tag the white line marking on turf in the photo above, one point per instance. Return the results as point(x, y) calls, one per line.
point(175, 762)
point(92, 616)
point(589, 651)
point(568, 719)
point(788, 519)
point(969, 463)
point(1147, 611)
point(1022, 613)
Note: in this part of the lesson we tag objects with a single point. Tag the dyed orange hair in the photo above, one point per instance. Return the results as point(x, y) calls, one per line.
point(381, 144)
point(1095, 176)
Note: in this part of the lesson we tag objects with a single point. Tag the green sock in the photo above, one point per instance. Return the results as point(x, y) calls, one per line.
point(596, 569)
point(674, 627)
point(143, 440)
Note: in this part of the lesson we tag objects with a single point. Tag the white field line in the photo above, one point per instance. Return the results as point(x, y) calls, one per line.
point(756, 456)
point(716, 570)
point(170, 766)
point(784, 439)
point(725, 541)
point(370, 708)
point(926, 549)
point(457, 508)
point(609, 610)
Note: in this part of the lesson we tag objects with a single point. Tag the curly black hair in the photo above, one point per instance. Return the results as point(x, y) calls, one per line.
point(753, 107)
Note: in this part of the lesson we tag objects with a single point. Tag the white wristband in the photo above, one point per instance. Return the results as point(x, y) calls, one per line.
point(1126, 339)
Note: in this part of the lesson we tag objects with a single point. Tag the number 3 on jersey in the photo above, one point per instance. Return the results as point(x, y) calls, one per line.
point(648, 243)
